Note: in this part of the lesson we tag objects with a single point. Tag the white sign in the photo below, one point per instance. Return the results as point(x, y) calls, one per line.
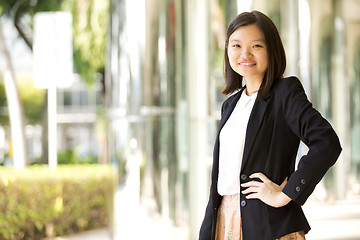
point(52, 49)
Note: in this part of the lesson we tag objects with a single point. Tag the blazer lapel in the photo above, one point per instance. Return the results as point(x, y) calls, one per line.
point(255, 120)
point(229, 109)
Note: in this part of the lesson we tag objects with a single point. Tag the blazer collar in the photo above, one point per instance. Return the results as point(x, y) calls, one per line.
point(229, 107)
point(255, 120)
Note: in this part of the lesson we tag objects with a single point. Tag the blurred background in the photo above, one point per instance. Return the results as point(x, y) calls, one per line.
point(128, 93)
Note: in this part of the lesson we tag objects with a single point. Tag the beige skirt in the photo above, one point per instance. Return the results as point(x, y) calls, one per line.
point(228, 225)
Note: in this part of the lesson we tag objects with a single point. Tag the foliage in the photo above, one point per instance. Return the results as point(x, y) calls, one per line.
point(90, 21)
point(38, 202)
point(32, 100)
point(70, 157)
point(4, 115)
point(23, 7)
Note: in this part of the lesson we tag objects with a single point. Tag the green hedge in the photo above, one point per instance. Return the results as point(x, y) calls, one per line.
point(38, 202)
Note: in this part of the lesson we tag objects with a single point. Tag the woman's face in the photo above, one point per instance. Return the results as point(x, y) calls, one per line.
point(247, 52)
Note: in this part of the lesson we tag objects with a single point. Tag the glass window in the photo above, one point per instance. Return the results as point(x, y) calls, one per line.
point(83, 98)
point(67, 98)
point(355, 128)
point(99, 98)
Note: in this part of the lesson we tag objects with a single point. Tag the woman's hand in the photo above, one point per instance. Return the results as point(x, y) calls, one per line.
point(267, 191)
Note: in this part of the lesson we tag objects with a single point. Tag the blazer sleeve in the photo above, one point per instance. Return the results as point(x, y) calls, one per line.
point(316, 132)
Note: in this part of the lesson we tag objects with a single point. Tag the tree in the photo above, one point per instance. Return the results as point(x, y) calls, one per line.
point(4, 116)
point(14, 107)
point(32, 100)
point(90, 21)
point(90, 18)
point(16, 10)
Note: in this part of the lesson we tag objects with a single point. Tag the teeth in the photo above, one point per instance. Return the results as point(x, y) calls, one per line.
point(247, 64)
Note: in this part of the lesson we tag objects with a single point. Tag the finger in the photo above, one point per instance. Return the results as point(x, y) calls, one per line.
point(252, 184)
point(284, 183)
point(259, 175)
point(250, 190)
point(252, 196)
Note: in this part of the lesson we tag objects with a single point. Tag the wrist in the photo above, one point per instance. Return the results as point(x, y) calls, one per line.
point(283, 199)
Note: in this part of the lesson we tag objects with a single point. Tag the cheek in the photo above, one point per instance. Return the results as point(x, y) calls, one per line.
point(265, 59)
point(232, 58)
point(265, 63)
point(233, 63)
point(231, 54)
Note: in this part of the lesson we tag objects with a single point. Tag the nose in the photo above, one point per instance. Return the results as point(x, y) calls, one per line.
point(245, 53)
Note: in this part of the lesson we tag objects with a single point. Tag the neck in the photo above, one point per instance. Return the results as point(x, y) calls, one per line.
point(252, 87)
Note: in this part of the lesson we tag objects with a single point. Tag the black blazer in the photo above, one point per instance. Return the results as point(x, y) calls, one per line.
point(276, 125)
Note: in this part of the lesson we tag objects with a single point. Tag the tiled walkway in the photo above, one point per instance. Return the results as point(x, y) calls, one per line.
point(338, 221)
point(132, 222)
point(331, 222)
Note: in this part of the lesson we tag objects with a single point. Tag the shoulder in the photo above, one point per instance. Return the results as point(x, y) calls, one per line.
point(233, 97)
point(288, 88)
point(290, 95)
point(287, 84)
point(288, 92)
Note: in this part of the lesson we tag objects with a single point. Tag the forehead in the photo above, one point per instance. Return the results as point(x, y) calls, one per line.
point(247, 33)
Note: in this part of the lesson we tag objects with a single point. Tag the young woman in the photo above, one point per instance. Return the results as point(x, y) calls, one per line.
point(256, 193)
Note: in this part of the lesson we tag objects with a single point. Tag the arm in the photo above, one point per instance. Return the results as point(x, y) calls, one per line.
point(324, 149)
point(308, 124)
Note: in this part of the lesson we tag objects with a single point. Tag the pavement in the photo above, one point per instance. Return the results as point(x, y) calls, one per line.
point(145, 225)
point(337, 221)
point(97, 234)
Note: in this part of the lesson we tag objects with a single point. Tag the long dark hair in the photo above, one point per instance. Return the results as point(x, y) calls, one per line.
point(275, 52)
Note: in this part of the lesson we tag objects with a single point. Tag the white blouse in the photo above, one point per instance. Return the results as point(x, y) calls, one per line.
point(232, 141)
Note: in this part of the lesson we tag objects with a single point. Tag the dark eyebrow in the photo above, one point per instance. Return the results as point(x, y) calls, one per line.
point(235, 40)
point(257, 40)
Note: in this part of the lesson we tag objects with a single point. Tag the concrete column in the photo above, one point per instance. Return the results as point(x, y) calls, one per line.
point(197, 93)
point(289, 30)
point(304, 45)
point(340, 101)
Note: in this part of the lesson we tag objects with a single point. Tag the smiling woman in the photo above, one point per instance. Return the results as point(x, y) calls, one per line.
point(255, 191)
point(263, 34)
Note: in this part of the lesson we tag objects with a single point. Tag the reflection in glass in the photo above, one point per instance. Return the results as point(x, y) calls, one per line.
point(355, 126)
point(67, 98)
point(148, 93)
point(323, 82)
point(83, 98)
point(146, 85)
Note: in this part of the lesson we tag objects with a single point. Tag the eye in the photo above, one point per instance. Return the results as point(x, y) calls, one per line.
point(257, 46)
point(236, 46)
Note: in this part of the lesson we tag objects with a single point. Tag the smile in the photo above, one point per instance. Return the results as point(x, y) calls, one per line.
point(246, 64)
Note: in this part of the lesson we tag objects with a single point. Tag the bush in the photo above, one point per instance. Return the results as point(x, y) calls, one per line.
point(38, 202)
point(71, 157)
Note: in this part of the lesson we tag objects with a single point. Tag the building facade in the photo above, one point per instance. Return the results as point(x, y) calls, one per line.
point(164, 79)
